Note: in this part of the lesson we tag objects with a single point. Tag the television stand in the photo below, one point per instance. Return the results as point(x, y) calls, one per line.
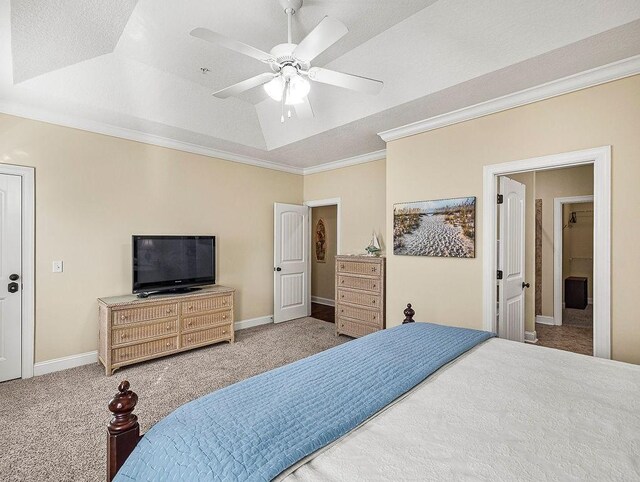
point(173, 291)
point(134, 330)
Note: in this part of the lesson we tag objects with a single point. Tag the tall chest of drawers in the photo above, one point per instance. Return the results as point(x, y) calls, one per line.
point(132, 330)
point(360, 292)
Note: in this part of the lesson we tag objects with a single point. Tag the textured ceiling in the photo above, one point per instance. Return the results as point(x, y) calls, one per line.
point(133, 64)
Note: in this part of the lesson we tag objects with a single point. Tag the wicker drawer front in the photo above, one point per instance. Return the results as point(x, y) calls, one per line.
point(360, 298)
point(366, 316)
point(146, 313)
point(143, 350)
point(140, 332)
point(354, 329)
point(198, 337)
point(369, 284)
point(195, 322)
point(357, 267)
point(205, 304)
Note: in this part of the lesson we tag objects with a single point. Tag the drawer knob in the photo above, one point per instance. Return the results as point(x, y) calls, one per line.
point(189, 323)
point(168, 311)
point(123, 336)
point(374, 285)
point(124, 355)
point(123, 317)
point(374, 317)
point(189, 339)
point(224, 331)
point(373, 302)
point(342, 281)
point(341, 311)
point(373, 269)
point(168, 343)
point(342, 266)
point(341, 296)
point(190, 307)
point(224, 317)
point(224, 302)
point(168, 327)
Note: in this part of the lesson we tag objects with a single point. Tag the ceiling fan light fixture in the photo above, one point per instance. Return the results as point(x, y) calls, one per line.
point(274, 88)
point(299, 88)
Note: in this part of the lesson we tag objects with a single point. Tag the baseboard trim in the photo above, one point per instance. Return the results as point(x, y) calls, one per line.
point(530, 337)
point(545, 320)
point(261, 320)
point(323, 301)
point(58, 364)
point(73, 361)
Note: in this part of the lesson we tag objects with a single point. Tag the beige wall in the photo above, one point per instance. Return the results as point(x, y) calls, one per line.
point(575, 181)
point(448, 162)
point(362, 192)
point(93, 192)
point(577, 243)
point(323, 274)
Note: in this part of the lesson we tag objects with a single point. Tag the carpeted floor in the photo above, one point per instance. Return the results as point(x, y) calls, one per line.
point(54, 426)
point(575, 334)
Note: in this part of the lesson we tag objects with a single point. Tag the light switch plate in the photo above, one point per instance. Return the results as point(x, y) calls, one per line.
point(57, 266)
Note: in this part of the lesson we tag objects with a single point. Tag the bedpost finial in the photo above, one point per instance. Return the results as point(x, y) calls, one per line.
point(408, 314)
point(121, 406)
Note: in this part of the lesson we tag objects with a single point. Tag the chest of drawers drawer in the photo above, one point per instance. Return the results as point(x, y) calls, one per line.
point(137, 332)
point(190, 323)
point(358, 267)
point(204, 336)
point(361, 314)
point(369, 284)
point(352, 328)
point(144, 350)
point(135, 315)
point(206, 304)
point(370, 300)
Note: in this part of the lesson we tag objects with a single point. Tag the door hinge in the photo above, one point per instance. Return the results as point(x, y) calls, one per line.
point(499, 274)
point(500, 198)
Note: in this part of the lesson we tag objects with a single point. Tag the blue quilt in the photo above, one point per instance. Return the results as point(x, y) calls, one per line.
point(257, 428)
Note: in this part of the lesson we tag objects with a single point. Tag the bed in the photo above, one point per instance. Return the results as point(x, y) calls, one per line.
point(440, 403)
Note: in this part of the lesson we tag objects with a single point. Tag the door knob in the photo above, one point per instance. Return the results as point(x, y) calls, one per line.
point(525, 285)
point(13, 287)
point(14, 277)
point(278, 268)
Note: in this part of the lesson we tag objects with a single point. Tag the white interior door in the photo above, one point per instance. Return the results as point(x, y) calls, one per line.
point(511, 260)
point(10, 277)
point(291, 262)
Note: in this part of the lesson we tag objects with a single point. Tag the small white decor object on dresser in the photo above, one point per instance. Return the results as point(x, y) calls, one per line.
point(134, 330)
point(360, 291)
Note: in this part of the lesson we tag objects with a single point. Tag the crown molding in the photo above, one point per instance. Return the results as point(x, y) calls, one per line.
point(350, 161)
point(19, 110)
point(589, 78)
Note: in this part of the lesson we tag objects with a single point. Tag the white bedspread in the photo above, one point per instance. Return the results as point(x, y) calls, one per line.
point(504, 411)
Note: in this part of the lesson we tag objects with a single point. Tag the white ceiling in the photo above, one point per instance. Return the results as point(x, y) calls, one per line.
point(132, 64)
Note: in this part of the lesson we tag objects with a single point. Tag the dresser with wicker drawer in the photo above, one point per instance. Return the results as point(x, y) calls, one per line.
point(132, 330)
point(360, 290)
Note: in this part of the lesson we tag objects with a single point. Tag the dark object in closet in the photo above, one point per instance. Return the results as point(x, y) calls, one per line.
point(575, 292)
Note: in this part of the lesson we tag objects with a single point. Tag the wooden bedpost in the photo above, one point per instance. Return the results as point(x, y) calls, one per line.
point(408, 314)
point(123, 431)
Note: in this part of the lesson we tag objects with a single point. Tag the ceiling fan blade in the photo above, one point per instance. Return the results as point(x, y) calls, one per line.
point(231, 44)
point(245, 85)
point(346, 81)
point(326, 33)
point(304, 109)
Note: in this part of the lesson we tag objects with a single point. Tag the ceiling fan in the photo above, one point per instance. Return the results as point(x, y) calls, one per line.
point(291, 64)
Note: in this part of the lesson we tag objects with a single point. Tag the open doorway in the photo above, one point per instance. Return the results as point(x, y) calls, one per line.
point(325, 245)
point(580, 181)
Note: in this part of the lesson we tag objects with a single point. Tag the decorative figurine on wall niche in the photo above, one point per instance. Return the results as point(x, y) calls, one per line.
point(374, 246)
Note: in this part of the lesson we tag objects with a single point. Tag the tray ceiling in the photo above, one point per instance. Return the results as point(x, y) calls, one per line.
point(132, 64)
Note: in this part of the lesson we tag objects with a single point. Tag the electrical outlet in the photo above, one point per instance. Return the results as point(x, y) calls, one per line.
point(57, 266)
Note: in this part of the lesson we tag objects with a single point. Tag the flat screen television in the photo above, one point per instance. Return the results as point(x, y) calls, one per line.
point(172, 263)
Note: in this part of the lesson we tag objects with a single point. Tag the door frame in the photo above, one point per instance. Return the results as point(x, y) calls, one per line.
point(27, 174)
point(600, 158)
point(558, 236)
point(337, 202)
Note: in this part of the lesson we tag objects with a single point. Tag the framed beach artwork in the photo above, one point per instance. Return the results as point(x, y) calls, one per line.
point(443, 228)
